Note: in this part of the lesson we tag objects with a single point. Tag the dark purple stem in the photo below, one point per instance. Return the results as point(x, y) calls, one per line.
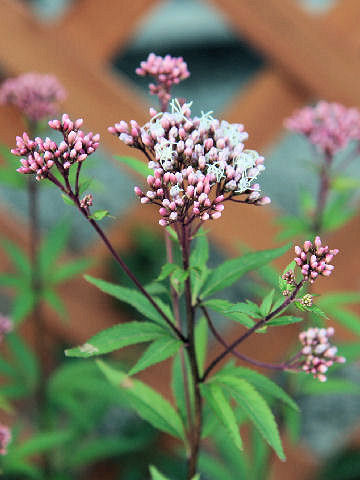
point(251, 330)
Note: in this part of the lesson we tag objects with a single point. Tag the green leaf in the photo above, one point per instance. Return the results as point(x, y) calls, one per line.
point(333, 299)
point(161, 349)
point(70, 270)
point(200, 254)
point(12, 281)
point(23, 305)
point(84, 185)
point(166, 271)
point(201, 340)
point(231, 270)
point(99, 215)
point(172, 234)
point(346, 318)
point(226, 308)
point(55, 302)
point(284, 320)
point(133, 298)
point(265, 306)
point(67, 200)
point(248, 308)
point(262, 383)
point(156, 475)
point(149, 404)
point(257, 410)
point(41, 442)
point(177, 385)
point(53, 245)
point(17, 256)
point(117, 337)
point(25, 359)
point(331, 386)
point(214, 395)
point(137, 165)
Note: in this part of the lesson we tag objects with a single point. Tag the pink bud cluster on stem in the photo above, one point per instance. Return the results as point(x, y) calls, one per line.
point(317, 352)
point(36, 95)
point(198, 163)
point(314, 259)
point(328, 126)
point(40, 155)
point(167, 71)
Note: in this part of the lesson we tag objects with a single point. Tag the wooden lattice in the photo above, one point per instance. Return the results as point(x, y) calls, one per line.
point(308, 57)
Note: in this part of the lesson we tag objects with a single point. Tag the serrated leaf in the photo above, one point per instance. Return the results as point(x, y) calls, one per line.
point(248, 308)
point(136, 165)
point(201, 340)
point(262, 383)
point(99, 215)
point(161, 349)
point(117, 337)
point(256, 409)
point(149, 404)
point(231, 270)
point(284, 320)
point(265, 306)
point(215, 397)
point(134, 298)
point(225, 307)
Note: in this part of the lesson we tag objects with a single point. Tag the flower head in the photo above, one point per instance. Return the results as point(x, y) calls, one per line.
point(167, 71)
point(34, 94)
point(317, 351)
point(328, 126)
point(314, 259)
point(5, 437)
point(196, 164)
point(40, 155)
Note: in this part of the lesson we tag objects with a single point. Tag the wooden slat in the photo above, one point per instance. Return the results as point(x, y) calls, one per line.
point(298, 45)
point(101, 30)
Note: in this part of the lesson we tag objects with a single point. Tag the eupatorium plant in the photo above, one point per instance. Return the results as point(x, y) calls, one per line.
point(195, 164)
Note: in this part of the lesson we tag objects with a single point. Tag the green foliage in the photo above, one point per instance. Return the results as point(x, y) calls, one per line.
point(133, 298)
point(198, 260)
point(283, 320)
point(180, 365)
point(117, 337)
point(156, 475)
point(255, 407)
point(231, 270)
point(149, 404)
point(134, 164)
point(8, 174)
point(214, 395)
point(201, 341)
point(230, 310)
point(161, 349)
point(99, 214)
point(265, 307)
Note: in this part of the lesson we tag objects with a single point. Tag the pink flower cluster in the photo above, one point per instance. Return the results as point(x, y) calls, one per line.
point(34, 94)
point(314, 259)
point(5, 437)
point(318, 352)
point(6, 326)
point(40, 155)
point(198, 163)
point(167, 71)
point(328, 126)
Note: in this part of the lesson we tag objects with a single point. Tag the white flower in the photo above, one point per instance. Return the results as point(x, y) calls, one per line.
point(216, 169)
point(233, 132)
point(206, 120)
point(246, 159)
point(165, 154)
point(178, 111)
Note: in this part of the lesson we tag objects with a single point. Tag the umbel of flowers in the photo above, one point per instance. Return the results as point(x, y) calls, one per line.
point(198, 163)
point(36, 95)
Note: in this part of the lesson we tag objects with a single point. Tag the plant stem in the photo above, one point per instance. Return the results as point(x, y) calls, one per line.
point(241, 356)
point(68, 192)
point(190, 318)
point(251, 330)
point(323, 193)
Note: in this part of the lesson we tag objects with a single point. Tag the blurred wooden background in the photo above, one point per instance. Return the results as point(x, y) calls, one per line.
point(307, 58)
